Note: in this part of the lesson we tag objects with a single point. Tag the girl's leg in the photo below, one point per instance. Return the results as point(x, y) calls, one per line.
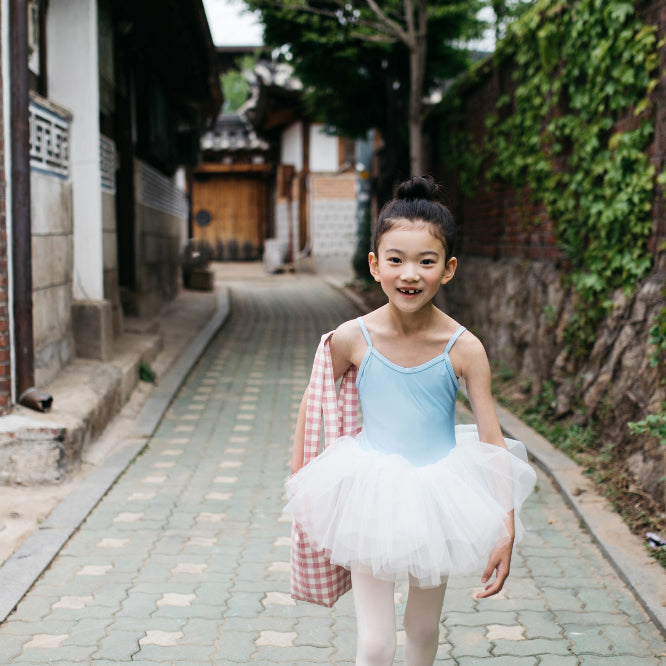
point(422, 615)
point(375, 620)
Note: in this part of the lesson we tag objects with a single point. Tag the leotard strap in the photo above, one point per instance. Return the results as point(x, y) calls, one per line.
point(361, 323)
point(453, 339)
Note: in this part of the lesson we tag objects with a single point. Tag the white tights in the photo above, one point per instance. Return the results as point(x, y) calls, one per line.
point(375, 619)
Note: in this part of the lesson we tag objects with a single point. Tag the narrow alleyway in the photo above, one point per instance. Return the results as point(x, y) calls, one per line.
point(185, 560)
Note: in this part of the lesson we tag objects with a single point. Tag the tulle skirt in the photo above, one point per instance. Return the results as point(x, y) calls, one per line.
point(386, 517)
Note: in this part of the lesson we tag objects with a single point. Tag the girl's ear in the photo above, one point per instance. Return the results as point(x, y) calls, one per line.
point(450, 270)
point(374, 266)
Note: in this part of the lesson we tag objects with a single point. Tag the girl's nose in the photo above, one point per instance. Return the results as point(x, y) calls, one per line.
point(409, 272)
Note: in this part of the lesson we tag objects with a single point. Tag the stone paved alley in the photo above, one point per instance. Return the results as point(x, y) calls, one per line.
point(185, 560)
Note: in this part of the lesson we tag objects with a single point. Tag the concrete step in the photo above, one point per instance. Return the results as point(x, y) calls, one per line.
point(40, 448)
point(129, 351)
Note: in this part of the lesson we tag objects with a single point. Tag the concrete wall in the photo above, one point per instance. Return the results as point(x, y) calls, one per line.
point(161, 229)
point(52, 265)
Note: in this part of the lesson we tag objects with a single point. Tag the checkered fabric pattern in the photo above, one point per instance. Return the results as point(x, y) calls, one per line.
point(313, 577)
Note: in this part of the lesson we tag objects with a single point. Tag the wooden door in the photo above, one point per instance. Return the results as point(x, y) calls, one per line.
point(229, 213)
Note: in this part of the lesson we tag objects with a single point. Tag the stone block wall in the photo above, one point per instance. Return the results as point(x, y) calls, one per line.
point(52, 262)
point(161, 228)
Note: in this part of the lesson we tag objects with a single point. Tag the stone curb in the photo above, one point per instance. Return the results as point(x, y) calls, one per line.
point(626, 553)
point(643, 575)
point(25, 566)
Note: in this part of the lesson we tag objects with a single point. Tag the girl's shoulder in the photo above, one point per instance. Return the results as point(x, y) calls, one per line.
point(348, 343)
point(468, 354)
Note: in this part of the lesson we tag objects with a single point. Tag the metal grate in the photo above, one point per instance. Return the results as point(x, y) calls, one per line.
point(49, 141)
point(157, 191)
point(107, 164)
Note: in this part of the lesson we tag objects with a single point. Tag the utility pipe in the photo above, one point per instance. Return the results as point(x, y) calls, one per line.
point(20, 210)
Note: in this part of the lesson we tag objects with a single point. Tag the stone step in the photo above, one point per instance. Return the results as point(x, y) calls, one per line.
point(40, 448)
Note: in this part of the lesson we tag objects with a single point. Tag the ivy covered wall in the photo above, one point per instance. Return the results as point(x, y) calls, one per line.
point(553, 156)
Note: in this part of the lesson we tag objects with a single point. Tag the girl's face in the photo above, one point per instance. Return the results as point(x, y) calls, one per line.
point(411, 264)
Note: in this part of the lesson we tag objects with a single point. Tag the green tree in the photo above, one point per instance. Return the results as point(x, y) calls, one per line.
point(366, 64)
point(235, 85)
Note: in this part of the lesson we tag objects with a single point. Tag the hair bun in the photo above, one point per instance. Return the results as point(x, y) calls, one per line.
point(418, 187)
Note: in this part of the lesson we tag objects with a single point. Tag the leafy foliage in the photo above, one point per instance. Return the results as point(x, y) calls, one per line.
point(653, 425)
point(235, 85)
point(566, 140)
point(355, 76)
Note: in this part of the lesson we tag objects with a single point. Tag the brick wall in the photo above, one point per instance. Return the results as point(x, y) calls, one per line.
point(337, 187)
point(492, 220)
point(5, 366)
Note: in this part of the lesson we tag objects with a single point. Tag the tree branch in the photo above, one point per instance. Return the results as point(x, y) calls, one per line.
point(383, 26)
point(392, 26)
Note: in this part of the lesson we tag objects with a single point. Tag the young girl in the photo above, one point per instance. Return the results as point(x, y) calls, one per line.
point(412, 494)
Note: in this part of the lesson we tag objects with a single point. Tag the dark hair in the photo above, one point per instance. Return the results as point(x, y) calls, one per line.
point(418, 199)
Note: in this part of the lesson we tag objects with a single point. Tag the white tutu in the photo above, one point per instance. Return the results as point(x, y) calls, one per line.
point(389, 518)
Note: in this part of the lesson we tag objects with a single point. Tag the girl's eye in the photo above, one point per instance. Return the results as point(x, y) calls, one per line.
point(394, 260)
point(427, 262)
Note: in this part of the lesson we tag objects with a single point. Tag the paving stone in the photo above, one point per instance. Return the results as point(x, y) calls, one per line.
point(497, 661)
point(177, 653)
point(540, 624)
point(469, 642)
point(557, 660)
point(531, 646)
point(119, 645)
point(235, 647)
point(71, 654)
point(596, 660)
point(313, 632)
point(588, 639)
point(210, 535)
point(480, 618)
point(294, 655)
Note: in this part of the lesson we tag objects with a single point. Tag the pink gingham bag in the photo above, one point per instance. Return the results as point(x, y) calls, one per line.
point(313, 577)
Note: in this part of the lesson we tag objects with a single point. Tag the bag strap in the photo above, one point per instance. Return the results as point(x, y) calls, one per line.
point(348, 403)
point(340, 412)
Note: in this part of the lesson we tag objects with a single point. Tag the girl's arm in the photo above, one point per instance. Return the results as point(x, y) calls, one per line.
point(340, 351)
point(476, 371)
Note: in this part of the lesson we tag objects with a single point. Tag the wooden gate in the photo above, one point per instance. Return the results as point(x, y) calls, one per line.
point(230, 209)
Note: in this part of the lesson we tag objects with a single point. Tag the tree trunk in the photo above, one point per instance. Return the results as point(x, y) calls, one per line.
point(418, 32)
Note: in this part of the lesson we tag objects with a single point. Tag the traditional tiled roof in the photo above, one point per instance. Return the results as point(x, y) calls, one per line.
point(233, 132)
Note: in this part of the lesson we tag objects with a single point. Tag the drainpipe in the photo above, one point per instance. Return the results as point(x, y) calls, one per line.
point(20, 211)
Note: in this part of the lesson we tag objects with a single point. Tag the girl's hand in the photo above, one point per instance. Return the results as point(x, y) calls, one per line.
point(499, 562)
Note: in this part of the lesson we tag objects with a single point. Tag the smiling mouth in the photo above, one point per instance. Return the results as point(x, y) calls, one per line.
point(410, 292)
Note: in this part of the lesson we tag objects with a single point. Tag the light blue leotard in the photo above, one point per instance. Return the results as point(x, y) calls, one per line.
point(408, 411)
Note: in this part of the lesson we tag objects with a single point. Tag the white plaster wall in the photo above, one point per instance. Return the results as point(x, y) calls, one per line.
point(52, 270)
point(73, 83)
point(291, 149)
point(282, 218)
point(323, 150)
